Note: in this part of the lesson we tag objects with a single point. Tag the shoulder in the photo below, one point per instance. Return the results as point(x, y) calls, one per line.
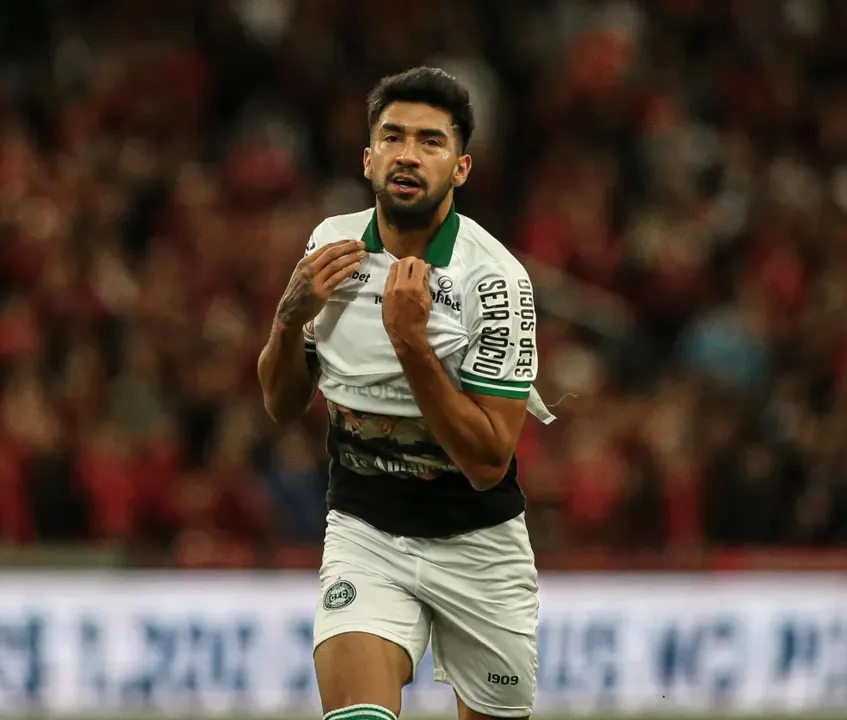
point(340, 227)
point(484, 257)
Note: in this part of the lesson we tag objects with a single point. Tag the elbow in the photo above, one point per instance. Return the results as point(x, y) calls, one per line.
point(270, 398)
point(487, 476)
point(271, 407)
point(272, 410)
point(285, 399)
point(285, 408)
point(278, 412)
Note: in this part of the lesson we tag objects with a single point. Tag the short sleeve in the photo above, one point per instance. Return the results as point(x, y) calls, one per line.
point(309, 337)
point(500, 317)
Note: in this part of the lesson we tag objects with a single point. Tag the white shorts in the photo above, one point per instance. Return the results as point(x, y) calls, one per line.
point(476, 593)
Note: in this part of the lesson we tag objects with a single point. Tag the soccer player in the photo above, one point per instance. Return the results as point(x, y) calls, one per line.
point(419, 328)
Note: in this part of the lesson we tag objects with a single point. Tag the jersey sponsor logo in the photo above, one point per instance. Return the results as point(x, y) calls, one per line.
point(359, 463)
point(361, 277)
point(442, 296)
point(445, 298)
point(438, 298)
point(339, 595)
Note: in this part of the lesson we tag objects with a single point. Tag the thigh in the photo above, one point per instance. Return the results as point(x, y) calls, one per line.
point(357, 668)
point(485, 621)
point(370, 630)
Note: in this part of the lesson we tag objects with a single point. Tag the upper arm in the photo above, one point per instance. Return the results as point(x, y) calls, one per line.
point(506, 416)
point(502, 362)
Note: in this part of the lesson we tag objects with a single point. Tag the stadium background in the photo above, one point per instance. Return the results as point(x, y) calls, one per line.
point(672, 172)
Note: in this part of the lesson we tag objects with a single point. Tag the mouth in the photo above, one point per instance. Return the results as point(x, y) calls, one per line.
point(405, 184)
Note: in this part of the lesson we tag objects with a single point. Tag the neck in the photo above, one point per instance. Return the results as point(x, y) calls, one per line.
point(411, 243)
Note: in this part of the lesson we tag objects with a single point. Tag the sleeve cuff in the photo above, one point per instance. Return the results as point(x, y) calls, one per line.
point(489, 386)
point(309, 337)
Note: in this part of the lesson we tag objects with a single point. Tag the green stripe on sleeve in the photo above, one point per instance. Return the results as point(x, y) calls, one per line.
point(496, 390)
point(506, 384)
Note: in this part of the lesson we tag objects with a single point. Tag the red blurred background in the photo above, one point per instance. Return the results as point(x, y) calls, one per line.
point(672, 172)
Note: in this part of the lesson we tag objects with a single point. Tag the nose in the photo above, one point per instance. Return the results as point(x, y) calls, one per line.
point(409, 156)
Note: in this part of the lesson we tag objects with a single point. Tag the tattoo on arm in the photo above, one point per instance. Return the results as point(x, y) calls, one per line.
point(298, 293)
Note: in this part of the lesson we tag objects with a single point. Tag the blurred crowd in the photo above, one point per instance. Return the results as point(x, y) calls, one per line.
point(673, 172)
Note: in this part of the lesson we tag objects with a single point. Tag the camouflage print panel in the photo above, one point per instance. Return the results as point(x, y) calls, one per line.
point(370, 444)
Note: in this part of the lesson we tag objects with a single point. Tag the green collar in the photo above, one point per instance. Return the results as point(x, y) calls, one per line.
point(440, 249)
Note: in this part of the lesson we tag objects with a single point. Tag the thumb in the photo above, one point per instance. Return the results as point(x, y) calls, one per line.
point(427, 273)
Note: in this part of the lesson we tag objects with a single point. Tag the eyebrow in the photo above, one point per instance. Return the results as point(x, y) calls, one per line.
point(423, 132)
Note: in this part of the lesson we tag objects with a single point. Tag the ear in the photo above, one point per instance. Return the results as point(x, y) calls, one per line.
point(463, 169)
point(366, 162)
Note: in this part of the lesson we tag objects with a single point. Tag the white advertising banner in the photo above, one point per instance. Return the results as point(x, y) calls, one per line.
point(87, 644)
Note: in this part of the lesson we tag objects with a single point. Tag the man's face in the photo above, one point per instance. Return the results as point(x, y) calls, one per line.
point(414, 162)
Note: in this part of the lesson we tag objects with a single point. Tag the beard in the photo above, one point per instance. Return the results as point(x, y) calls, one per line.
point(413, 214)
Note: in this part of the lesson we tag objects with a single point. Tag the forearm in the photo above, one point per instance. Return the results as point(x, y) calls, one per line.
point(288, 383)
point(458, 424)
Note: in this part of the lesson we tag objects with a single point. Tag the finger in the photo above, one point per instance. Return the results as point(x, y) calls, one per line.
point(339, 276)
point(323, 274)
point(391, 280)
point(325, 248)
point(405, 268)
point(333, 251)
point(404, 272)
point(417, 274)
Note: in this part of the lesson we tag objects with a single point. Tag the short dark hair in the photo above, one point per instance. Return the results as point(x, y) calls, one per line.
point(427, 85)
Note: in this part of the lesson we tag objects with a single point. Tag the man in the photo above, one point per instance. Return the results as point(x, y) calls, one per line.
point(419, 329)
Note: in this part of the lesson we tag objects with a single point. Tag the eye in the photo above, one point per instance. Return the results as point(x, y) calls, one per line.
point(432, 142)
point(391, 138)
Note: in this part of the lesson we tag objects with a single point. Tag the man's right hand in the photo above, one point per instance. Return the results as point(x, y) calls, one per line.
point(314, 279)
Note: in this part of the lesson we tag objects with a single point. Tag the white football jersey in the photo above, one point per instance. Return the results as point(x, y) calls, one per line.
point(482, 324)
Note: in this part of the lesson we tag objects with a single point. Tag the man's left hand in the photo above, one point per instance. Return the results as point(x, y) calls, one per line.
point(406, 304)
